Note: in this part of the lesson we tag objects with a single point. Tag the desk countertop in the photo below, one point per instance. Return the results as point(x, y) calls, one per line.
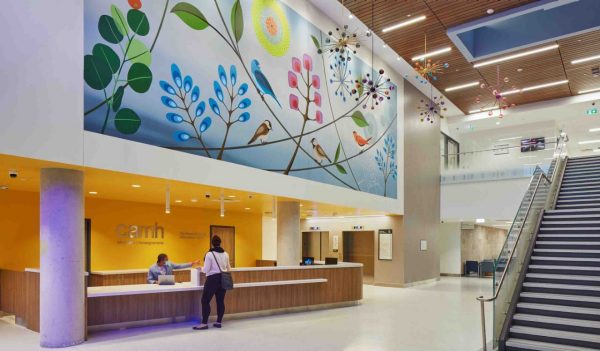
point(244, 269)
point(139, 289)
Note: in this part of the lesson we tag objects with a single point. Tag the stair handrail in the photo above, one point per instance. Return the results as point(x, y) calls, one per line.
point(559, 151)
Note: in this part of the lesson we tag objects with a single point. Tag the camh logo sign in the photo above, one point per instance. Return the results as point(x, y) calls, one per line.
point(140, 234)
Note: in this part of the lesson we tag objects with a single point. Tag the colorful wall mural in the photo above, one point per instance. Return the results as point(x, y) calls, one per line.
point(248, 82)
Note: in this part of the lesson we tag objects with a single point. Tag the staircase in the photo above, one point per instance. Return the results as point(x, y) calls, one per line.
point(559, 303)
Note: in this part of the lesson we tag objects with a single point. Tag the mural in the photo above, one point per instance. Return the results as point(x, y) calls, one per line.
point(248, 82)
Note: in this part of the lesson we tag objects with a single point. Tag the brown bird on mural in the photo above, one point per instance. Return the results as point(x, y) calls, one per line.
point(318, 151)
point(360, 140)
point(261, 132)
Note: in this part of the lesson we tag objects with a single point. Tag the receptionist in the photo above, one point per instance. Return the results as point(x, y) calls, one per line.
point(164, 267)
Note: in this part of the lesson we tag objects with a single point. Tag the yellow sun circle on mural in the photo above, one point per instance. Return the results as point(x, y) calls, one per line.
point(271, 26)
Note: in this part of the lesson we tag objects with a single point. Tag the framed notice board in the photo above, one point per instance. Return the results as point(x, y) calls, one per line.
point(385, 244)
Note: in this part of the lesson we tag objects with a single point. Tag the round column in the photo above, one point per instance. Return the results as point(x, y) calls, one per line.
point(62, 258)
point(289, 237)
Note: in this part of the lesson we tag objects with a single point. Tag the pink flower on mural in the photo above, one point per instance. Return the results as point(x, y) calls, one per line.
point(307, 61)
point(319, 117)
point(292, 79)
point(296, 65)
point(316, 81)
point(317, 99)
point(294, 102)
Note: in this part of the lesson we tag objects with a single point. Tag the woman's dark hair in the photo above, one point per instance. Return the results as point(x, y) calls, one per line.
point(215, 241)
point(161, 257)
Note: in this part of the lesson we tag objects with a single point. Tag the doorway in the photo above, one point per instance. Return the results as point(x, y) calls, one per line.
point(227, 235)
point(315, 244)
point(359, 247)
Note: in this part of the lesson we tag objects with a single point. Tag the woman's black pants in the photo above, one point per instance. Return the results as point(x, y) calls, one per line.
point(212, 287)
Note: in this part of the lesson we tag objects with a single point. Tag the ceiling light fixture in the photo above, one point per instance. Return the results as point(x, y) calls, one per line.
point(514, 56)
point(588, 91)
point(168, 200)
point(231, 196)
point(480, 220)
point(3, 187)
point(247, 208)
point(136, 186)
point(178, 201)
point(462, 86)
point(432, 53)
point(596, 150)
point(350, 16)
point(593, 130)
point(403, 24)
point(222, 205)
point(194, 200)
point(511, 138)
point(535, 87)
point(93, 193)
point(585, 59)
point(589, 142)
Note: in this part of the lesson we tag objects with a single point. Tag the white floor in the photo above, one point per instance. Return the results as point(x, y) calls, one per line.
point(439, 316)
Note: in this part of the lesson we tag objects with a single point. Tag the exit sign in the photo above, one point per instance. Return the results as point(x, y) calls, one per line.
point(591, 111)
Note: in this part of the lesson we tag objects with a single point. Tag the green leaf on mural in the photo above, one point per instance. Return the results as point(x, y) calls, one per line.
point(360, 88)
point(190, 15)
point(337, 153)
point(316, 41)
point(359, 119)
point(139, 77)
point(237, 20)
point(127, 121)
point(119, 18)
point(105, 53)
point(341, 169)
point(117, 98)
point(138, 22)
point(96, 73)
point(108, 30)
point(139, 53)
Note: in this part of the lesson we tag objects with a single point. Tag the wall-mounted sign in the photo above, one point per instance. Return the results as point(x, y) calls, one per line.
point(385, 244)
point(591, 111)
point(192, 235)
point(357, 227)
point(423, 245)
point(140, 234)
point(335, 243)
point(315, 228)
point(501, 149)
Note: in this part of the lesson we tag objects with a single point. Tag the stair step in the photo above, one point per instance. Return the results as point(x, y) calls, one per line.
point(570, 243)
point(569, 236)
point(571, 322)
point(576, 289)
point(563, 277)
point(545, 308)
point(571, 268)
point(578, 206)
point(571, 300)
point(517, 344)
point(595, 210)
point(572, 216)
point(557, 336)
point(573, 259)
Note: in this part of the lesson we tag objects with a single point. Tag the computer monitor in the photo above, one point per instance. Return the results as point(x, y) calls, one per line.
point(308, 261)
point(331, 260)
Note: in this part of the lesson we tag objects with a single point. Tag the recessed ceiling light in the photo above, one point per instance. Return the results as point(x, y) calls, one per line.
point(462, 86)
point(432, 53)
point(136, 186)
point(231, 196)
point(587, 91)
point(514, 56)
point(194, 200)
point(93, 193)
point(490, 11)
point(535, 87)
point(247, 208)
point(350, 16)
point(384, 46)
point(511, 138)
point(3, 187)
point(178, 201)
point(589, 142)
point(594, 130)
point(585, 59)
point(403, 24)
point(519, 70)
point(497, 123)
point(301, 205)
point(480, 220)
point(398, 58)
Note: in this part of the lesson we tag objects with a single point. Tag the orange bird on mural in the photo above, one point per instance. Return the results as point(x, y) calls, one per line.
point(360, 140)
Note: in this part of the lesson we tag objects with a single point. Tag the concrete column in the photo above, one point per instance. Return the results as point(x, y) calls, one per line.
point(289, 237)
point(62, 258)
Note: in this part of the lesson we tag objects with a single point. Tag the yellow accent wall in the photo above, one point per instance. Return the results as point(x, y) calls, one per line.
point(111, 249)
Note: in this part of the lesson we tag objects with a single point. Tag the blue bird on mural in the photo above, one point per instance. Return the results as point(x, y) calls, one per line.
point(262, 81)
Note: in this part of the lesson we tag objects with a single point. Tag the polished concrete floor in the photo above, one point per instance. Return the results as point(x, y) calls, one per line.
point(442, 316)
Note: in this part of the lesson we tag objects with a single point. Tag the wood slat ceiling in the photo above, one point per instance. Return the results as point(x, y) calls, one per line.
point(545, 67)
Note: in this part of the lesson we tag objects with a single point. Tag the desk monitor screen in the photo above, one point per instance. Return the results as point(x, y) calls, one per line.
point(331, 260)
point(166, 280)
point(308, 261)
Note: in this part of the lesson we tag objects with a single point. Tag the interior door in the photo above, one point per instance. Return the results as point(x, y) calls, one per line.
point(227, 235)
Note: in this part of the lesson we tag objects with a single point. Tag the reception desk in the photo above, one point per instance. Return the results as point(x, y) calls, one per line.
point(117, 299)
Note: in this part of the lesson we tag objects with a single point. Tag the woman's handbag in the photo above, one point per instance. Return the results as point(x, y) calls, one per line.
point(226, 279)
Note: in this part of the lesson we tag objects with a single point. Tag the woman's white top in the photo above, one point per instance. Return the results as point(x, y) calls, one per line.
point(210, 265)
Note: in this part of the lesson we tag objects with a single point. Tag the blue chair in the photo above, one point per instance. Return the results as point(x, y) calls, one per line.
point(471, 267)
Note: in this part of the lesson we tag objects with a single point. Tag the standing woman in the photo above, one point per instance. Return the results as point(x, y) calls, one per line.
point(215, 262)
